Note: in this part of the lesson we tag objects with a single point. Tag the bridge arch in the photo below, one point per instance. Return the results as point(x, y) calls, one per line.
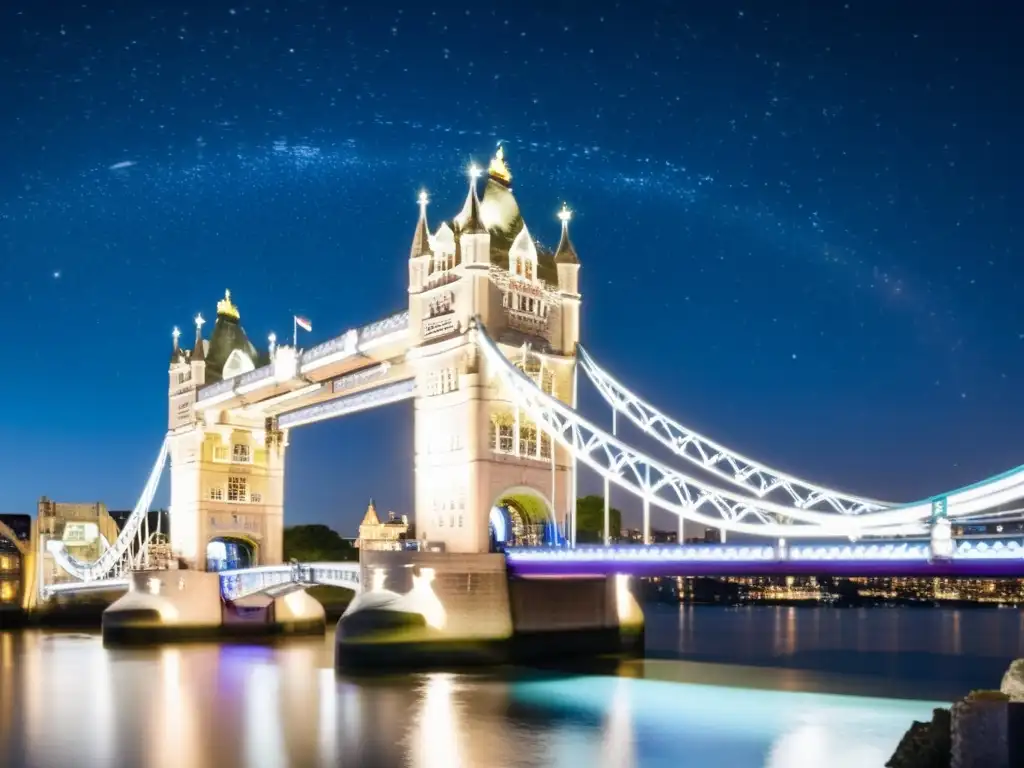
point(231, 551)
point(6, 532)
point(521, 516)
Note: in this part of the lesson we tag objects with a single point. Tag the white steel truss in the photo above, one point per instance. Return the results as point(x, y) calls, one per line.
point(729, 465)
point(704, 503)
point(120, 555)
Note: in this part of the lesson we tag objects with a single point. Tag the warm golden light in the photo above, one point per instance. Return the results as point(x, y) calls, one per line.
point(565, 214)
point(379, 577)
point(428, 602)
point(225, 308)
point(498, 168)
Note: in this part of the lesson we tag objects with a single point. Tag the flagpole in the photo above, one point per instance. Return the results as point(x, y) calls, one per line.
point(295, 332)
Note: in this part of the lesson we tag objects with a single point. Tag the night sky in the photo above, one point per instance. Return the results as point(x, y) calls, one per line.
point(798, 223)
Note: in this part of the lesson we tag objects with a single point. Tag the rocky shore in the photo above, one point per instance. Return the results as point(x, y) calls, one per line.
point(984, 730)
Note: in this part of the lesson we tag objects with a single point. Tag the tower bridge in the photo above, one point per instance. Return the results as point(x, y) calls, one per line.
point(488, 351)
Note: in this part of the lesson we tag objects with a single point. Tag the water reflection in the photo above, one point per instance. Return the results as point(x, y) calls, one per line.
point(437, 725)
point(916, 652)
point(67, 701)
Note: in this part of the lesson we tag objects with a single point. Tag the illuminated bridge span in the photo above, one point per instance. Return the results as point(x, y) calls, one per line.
point(488, 350)
point(893, 558)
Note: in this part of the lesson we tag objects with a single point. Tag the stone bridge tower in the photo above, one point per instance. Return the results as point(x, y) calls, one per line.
point(483, 470)
point(227, 466)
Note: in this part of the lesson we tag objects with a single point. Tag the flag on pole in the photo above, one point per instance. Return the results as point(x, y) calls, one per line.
point(303, 323)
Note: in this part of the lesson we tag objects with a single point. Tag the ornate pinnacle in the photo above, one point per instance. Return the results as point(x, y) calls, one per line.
point(225, 308)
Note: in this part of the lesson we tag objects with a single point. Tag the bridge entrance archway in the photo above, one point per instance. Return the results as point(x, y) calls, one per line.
point(521, 517)
point(228, 553)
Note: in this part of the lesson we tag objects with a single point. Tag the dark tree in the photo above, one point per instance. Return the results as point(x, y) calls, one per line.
point(590, 520)
point(317, 543)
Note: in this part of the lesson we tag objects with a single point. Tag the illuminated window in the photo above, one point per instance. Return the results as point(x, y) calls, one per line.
point(237, 488)
point(240, 454)
point(528, 270)
point(217, 493)
point(542, 376)
point(256, 497)
point(503, 437)
point(527, 441)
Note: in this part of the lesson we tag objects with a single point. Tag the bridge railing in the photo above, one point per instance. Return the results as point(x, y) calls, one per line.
point(236, 584)
point(877, 551)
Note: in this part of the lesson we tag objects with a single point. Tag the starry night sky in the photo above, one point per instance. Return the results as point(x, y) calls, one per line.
point(798, 222)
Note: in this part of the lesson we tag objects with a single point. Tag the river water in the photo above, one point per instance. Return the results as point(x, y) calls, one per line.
point(726, 688)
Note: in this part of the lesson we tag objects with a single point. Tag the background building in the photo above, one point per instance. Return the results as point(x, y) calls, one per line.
point(390, 534)
point(86, 530)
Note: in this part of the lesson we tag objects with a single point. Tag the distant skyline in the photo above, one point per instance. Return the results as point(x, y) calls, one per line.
point(797, 224)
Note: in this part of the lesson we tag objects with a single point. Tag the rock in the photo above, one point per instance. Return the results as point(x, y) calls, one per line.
point(925, 745)
point(979, 731)
point(1013, 681)
point(1015, 727)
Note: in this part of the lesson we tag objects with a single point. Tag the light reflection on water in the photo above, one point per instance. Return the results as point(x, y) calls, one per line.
point(67, 701)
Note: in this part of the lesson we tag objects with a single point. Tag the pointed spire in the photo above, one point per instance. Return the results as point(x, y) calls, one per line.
point(472, 225)
point(198, 351)
point(565, 254)
point(421, 240)
point(176, 350)
point(370, 518)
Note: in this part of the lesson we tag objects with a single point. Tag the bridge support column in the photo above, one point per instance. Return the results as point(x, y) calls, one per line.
point(647, 506)
point(607, 487)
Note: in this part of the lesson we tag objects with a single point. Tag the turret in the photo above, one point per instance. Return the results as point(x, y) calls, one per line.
point(181, 390)
point(178, 369)
point(420, 253)
point(566, 260)
point(474, 240)
point(568, 265)
point(198, 357)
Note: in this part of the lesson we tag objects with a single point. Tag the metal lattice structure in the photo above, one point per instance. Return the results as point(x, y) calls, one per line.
point(752, 476)
point(680, 494)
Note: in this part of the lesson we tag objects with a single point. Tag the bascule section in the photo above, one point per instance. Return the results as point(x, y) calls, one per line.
point(487, 475)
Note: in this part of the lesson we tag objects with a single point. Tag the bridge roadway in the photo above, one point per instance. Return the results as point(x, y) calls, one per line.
point(909, 558)
point(972, 558)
